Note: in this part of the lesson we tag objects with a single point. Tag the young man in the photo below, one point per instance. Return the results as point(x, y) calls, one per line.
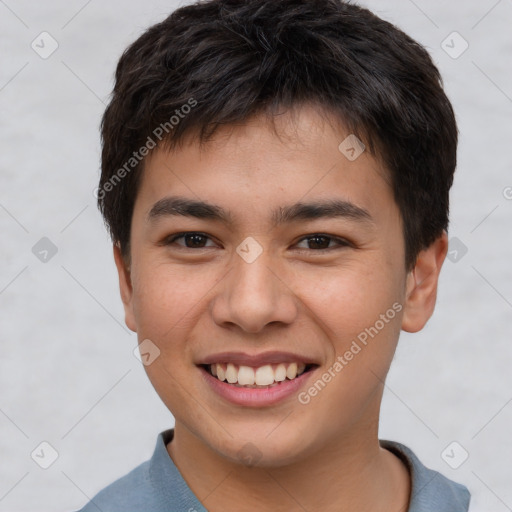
point(275, 179)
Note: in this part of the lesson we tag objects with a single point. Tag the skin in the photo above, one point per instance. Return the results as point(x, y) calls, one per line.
point(193, 302)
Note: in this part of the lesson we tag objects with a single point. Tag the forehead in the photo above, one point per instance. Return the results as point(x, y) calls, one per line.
point(283, 168)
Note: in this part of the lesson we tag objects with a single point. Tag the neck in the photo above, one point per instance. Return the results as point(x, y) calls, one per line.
point(351, 473)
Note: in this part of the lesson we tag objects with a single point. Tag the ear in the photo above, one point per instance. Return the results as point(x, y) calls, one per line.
point(125, 287)
point(421, 285)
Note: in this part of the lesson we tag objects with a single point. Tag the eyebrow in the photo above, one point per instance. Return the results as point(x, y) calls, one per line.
point(331, 208)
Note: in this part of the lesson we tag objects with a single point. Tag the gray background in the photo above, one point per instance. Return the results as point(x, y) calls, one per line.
point(68, 375)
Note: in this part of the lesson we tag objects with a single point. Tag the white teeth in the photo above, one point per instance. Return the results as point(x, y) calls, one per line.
point(264, 375)
point(231, 374)
point(291, 371)
point(280, 374)
point(245, 375)
point(221, 375)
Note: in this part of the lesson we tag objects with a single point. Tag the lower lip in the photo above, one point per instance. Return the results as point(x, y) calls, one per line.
point(254, 397)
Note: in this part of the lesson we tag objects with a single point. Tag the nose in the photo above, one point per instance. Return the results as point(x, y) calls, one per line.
point(254, 295)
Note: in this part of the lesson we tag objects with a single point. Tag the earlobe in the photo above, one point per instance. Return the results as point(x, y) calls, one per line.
point(421, 285)
point(125, 288)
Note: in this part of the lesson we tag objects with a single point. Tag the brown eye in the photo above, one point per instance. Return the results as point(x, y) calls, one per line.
point(319, 242)
point(192, 240)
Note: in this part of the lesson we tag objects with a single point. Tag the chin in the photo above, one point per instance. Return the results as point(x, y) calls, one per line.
point(265, 449)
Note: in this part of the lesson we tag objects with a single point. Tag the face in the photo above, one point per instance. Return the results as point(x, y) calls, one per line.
point(267, 273)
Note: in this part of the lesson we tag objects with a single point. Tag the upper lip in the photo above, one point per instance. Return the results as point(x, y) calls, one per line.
point(256, 360)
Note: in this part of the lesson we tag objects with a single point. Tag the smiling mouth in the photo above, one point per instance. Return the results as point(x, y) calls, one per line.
point(265, 376)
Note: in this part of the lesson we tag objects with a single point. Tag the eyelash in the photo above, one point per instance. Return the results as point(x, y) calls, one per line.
point(342, 243)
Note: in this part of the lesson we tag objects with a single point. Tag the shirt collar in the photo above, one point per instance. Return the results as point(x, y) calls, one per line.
point(430, 491)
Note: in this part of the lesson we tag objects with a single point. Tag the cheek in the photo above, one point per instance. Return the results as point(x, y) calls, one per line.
point(167, 299)
point(359, 312)
point(350, 299)
point(167, 307)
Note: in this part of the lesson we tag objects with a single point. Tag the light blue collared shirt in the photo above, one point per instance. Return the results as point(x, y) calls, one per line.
point(157, 486)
